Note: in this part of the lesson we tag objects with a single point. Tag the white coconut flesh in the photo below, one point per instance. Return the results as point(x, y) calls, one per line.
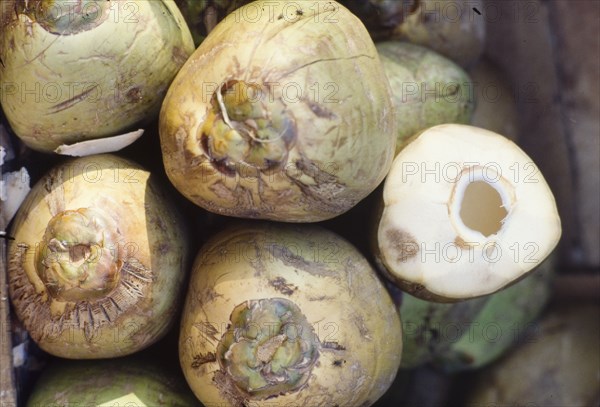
point(466, 212)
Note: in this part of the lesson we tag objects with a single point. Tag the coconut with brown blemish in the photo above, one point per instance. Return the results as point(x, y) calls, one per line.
point(98, 259)
point(80, 70)
point(465, 213)
point(287, 315)
point(266, 118)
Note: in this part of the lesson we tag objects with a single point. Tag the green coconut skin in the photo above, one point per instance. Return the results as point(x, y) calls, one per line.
point(426, 326)
point(76, 71)
point(557, 366)
point(428, 88)
point(470, 334)
point(92, 383)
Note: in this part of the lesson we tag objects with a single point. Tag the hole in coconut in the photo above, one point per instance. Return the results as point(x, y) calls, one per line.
point(481, 208)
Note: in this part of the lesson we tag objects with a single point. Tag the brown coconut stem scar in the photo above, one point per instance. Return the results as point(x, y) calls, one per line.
point(77, 257)
point(245, 128)
point(269, 349)
point(247, 131)
point(480, 205)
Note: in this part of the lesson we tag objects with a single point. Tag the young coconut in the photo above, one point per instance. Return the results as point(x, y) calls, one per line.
point(98, 259)
point(428, 89)
point(426, 326)
point(75, 71)
point(266, 118)
point(506, 320)
point(454, 28)
point(287, 315)
point(465, 213)
point(470, 334)
point(131, 381)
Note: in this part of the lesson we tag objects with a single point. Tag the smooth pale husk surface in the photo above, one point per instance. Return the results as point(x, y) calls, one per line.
point(324, 67)
point(129, 381)
point(428, 88)
point(354, 319)
point(62, 89)
point(151, 241)
point(421, 244)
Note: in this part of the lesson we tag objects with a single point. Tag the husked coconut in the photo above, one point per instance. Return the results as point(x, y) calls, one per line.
point(465, 213)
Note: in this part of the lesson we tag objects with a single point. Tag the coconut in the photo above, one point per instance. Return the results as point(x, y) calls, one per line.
point(98, 259)
point(429, 326)
point(469, 334)
point(428, 89)
point(129, 381)
point(453, 28)
point(75, 71)
point(284, 116)
point(287, 315)
point(465, 213)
